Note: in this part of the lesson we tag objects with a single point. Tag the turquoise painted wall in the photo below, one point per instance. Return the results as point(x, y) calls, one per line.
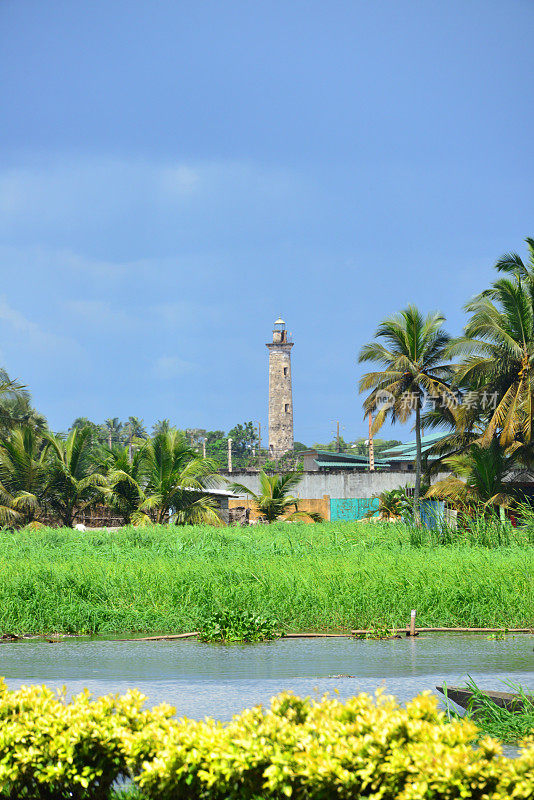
point(353, 508)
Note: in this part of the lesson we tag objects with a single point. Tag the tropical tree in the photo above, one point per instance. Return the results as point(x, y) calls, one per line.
point(113, 427)
point(124, 480)
point(136, 428)
point(497, 350)
point(175, 480)
point(15, 406)
point(161, 426)
point(244, 437)
point(98, 433)
point(413, 362)
point(477, 479)
point(23, 474)
point(391, 504)
point(73, 484)
point(275, 500)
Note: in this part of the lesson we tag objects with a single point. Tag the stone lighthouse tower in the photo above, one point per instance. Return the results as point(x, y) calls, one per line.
point(280, 392)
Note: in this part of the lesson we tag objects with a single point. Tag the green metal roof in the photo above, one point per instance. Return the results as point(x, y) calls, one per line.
point(348, 464)
point(407, 451)
point(341, 464)
point(342, 458)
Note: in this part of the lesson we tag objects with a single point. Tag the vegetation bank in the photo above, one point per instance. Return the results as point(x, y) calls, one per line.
point(327, 577)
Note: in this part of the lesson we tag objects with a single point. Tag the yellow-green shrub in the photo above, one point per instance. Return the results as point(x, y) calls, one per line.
point(299, 748)
point(51, 748)
point(306, 749)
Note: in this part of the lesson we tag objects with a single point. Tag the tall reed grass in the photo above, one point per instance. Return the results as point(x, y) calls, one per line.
point(508, 726)
point(327, 577)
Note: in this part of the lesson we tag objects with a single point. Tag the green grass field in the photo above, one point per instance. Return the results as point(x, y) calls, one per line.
point(326, 577)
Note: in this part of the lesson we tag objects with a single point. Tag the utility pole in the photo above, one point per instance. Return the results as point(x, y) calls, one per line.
point(338, 438)
point(203, 447)
point(259, 439)
point(130, 445)
point(371, 445)
point(229, 455)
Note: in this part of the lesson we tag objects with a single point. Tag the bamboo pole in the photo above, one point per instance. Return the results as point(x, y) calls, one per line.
point(161, 638)
point(355, 632)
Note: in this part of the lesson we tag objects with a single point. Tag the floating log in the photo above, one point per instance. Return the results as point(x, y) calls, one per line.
point(316, 635)
point(502, 629)
point(511, 702)
point(397, 633)
point(455, 630)
point(161, 638)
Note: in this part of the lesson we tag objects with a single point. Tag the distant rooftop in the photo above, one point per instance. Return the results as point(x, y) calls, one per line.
point(407, 450)
point(329, 459)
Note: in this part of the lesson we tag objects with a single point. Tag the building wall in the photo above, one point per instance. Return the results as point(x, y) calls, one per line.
point(342, 484)
point(353, 508)
point(319, 506)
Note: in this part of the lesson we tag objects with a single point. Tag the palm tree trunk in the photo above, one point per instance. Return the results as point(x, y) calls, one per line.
point(417, 491)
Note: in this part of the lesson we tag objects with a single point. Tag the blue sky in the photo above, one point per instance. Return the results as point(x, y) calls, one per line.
point(174, 175)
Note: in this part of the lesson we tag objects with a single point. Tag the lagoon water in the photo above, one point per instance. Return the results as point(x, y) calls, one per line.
point(219, 681)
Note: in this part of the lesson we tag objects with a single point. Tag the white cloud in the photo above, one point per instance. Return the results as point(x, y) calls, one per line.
point(167, 367)
point(84, 202)
point(29, 332)
point(101, 313)
point(179, 180)
point(186, 314)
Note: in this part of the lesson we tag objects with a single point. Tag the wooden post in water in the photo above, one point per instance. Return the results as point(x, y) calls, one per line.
point(412, 622)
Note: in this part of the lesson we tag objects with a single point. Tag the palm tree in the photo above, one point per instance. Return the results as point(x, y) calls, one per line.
point(15, 405)
point(174, 482)
point(161, 426)
point(136, 430)
point(113, 427)
point(72, 484)
point(391, 504)
point(477, 478)
point(23, 472)
point(498, 353)
point(413, 361)
point(124, 480)
point(275, 499)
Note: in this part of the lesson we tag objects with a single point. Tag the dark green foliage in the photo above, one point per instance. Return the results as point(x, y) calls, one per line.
point(410, 353)
point(275, 500)
point(237, 626)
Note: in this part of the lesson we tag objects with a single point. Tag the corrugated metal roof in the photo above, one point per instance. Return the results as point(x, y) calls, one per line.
point(348, 464)
point(407, 451)
point(340, 464)
point(344, 458)
point(334, 454)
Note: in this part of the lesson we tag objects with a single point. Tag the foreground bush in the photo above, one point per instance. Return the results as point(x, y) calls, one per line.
point(52, 749)
point(298, 748)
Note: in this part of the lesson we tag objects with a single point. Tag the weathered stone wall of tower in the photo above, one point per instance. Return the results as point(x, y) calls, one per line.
point(280, 398)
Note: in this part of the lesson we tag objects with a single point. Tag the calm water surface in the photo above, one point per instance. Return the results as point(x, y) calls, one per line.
point(218, 681)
